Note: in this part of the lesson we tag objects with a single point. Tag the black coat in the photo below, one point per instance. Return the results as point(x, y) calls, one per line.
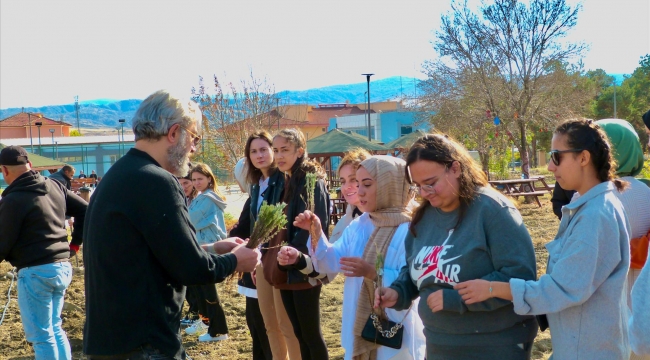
point(140, 251)
point(272, 195)
point(242, 230)
point(298, 237)
point(560, 198)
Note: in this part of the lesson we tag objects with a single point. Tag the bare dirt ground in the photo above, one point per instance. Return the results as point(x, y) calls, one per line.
point(541, 223)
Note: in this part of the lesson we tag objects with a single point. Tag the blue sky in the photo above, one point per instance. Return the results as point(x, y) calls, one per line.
point(51, 51)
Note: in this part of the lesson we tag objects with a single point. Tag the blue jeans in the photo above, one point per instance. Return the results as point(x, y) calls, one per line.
point(40, 298)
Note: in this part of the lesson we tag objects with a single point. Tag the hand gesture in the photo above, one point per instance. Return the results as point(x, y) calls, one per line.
point(385, 297)
point(355, 267)
point(287, 256)
point(474, 291)
point(310, 222)
point(226, 245)
point(434, 300)
point(247, 259)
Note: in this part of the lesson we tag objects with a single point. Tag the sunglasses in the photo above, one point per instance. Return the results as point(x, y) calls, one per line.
point(195, 138)
point(555, 155)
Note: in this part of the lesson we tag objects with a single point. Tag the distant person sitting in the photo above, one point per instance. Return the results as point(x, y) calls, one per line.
point(64, 176)
point(82, 175)
point(93, 175)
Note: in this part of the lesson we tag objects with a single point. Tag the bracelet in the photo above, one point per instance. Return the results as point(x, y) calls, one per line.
point(490, 289)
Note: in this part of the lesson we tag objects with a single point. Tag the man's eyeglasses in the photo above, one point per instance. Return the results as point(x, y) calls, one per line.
point(195, 138)
point(555, 155)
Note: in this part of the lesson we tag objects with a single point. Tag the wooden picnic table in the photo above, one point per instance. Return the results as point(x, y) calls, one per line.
point(524, 187)
point(76, 184)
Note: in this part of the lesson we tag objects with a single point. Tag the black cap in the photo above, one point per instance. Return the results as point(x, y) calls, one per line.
point(646, 119)
point(13, 155)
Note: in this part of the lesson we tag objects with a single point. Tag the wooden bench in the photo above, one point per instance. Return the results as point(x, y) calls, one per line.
point(536, 194)
point(523, 187)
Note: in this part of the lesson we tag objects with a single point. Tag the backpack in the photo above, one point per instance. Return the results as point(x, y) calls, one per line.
point(639, 251)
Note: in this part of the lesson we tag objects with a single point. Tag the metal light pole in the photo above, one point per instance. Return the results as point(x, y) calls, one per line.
point(122, 121)
point(614, 98)
point(57, 150)
point(368, 109)
point(29, 119)
point(38, 125)
point(52, 132)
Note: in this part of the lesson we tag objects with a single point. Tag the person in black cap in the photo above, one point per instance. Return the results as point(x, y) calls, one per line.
point(34, 239)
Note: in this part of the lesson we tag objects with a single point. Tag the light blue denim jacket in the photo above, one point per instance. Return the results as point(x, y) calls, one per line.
point(640, 320)
point(583, 292)
point(206, 214)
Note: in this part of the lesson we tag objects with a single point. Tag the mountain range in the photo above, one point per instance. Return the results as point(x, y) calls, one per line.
point(106, 112)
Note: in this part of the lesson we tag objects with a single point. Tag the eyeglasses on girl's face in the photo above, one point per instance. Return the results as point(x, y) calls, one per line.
point(555, 155)
point(429, 189)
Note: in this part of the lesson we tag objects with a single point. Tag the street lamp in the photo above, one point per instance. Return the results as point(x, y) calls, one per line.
point(122, 121)
point(52, 132)
point(38, 125)
point(29, 119)
point(368, 109)
point(615, 98)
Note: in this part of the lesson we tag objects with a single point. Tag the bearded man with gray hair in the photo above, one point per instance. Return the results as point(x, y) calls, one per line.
point(140, 249)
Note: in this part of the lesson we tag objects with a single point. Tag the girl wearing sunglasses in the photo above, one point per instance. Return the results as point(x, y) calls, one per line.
point(583, 290)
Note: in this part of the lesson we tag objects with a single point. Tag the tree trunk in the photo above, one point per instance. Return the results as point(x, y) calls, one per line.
point(534, 146)
point(523, 150)
point(485, 162)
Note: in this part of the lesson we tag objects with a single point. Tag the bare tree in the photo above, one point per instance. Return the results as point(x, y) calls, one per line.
point(231, 113)
point(508, 61)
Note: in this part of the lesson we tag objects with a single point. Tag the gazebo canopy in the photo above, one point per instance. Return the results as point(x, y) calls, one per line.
point(40, 163)
point(337, 143)
point(404, 142)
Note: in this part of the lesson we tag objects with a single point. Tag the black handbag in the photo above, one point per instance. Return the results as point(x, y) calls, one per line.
point(374, 332)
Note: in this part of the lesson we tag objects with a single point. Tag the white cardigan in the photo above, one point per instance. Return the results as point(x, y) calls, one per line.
point(352, 244)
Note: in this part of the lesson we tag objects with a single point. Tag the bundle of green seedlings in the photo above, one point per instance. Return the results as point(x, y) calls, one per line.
point(310, 187)
point(270, 220)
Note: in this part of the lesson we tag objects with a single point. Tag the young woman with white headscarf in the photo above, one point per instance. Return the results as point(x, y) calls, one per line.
point(379, 231)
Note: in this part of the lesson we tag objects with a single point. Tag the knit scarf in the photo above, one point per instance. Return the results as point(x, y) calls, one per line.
point(392, 210)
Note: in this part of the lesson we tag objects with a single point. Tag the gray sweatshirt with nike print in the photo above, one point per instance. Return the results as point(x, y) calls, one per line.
point(491, 243)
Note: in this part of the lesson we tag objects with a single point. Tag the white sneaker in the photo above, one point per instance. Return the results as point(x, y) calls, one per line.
point(197, 328)
point(207, 337)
